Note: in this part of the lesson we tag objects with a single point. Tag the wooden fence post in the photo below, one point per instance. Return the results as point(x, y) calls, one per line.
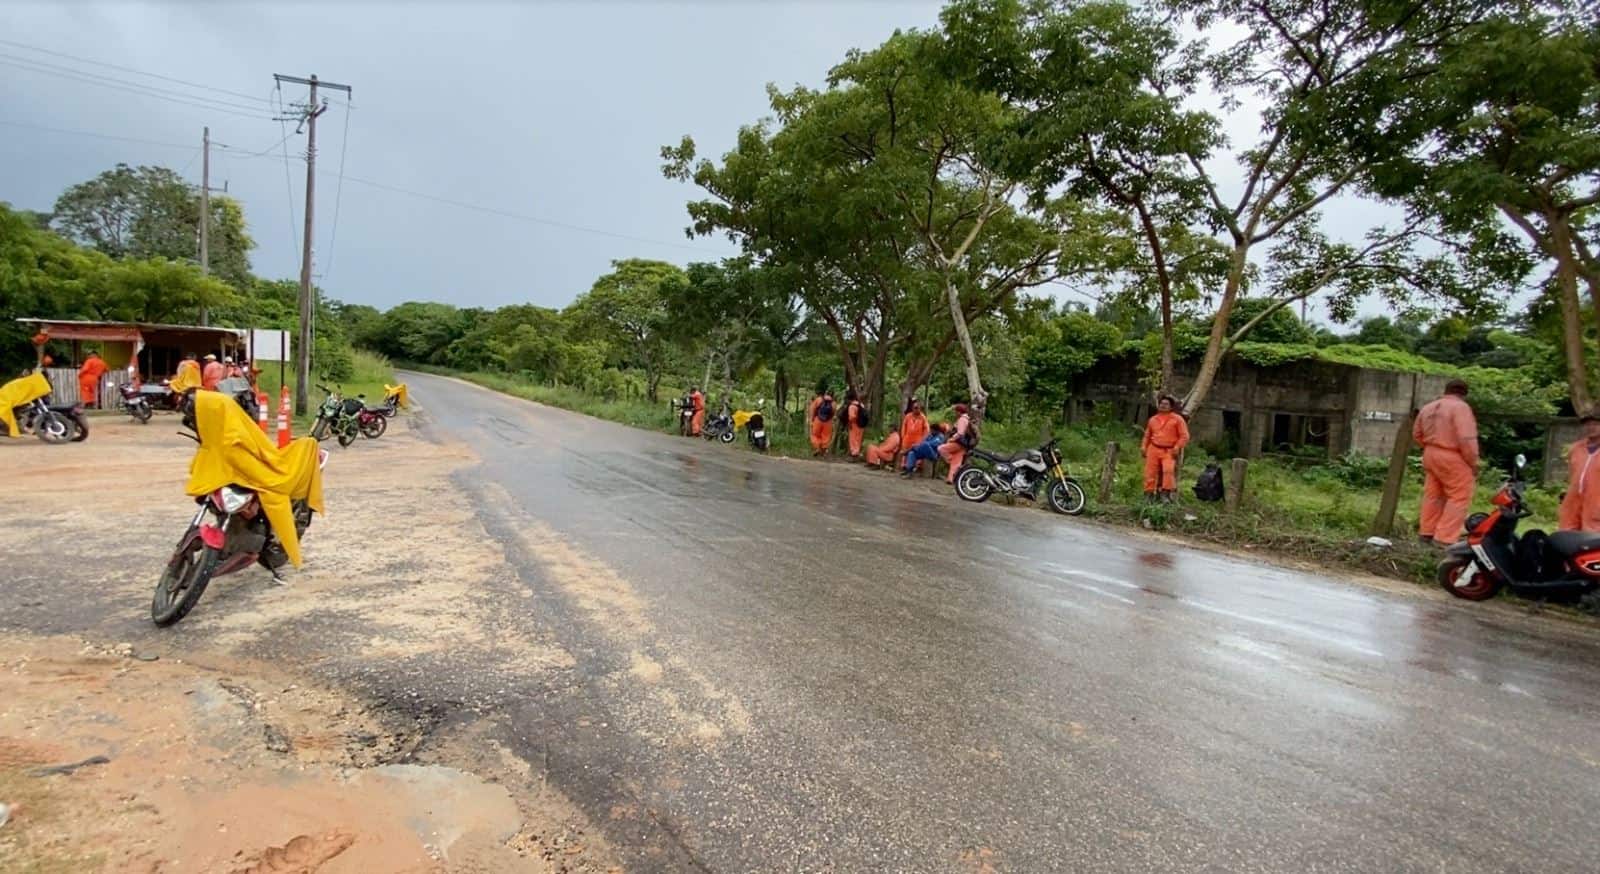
point(1383, 523)
point(1235, 491)
point(1108, 474)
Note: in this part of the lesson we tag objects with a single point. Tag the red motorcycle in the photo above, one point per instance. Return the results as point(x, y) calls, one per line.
point(1564, 566)
point(228, 533)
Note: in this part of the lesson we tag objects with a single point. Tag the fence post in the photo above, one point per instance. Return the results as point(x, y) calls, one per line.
point(1383, 523)
point(1235, 491)
point(1108, 474)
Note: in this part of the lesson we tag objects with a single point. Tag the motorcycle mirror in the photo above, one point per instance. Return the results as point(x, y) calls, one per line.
point(1522, 461)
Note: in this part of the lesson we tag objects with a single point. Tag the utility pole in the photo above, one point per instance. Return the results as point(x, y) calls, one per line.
point(307, 117)
point(205, 210)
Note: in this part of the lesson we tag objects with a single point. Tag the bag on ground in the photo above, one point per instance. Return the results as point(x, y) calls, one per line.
point(1208, 487)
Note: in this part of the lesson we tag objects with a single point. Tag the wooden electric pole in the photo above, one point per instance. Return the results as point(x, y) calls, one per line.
point(308, 117)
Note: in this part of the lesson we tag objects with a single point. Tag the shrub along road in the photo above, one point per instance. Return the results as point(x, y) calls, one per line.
point(784, 665)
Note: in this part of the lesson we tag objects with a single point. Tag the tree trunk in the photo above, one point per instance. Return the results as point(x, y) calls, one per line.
point(1572, 321)
point(980, 398)
point(1215, 345)
point(727, 378)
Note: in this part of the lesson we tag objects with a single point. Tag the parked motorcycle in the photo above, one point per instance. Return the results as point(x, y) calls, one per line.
point(684, 407)
point(327, 413)
point(52, 424)
point(754, 424)
point(339, 417)
point(1564, 566)
point(136, 403)
point(1021, 475)
point(372, 421)
point(720, 427)
point(229, 532)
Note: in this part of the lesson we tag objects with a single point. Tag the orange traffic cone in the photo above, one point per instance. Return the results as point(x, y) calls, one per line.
point(283, 419)
point(261, 410)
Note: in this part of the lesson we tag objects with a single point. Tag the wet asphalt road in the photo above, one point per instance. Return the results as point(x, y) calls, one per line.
point(917, 684)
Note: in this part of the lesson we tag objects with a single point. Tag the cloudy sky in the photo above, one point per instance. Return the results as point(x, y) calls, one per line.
point(546, 117)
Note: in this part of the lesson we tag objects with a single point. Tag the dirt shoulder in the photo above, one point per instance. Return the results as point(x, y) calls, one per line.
point(242, 740)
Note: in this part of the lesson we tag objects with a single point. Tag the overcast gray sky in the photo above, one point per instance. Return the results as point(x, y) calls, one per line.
point(550, 111)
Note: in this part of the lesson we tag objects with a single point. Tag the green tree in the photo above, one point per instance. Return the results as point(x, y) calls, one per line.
point(627, 309)
point(1069, 343)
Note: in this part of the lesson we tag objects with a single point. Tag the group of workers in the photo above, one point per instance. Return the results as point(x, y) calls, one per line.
point(191, 374)
point(907, 445)
point(1447, 431)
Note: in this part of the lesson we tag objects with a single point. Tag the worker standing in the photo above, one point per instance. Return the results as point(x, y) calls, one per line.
point(1580, 507)
point(1165, 435)
point(89, 379)
point(1448, 434)
point(212, 373)
point(819, 416)
point(697, 402)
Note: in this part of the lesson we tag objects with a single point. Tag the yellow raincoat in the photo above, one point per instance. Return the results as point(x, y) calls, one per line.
point(399, 392)
point(233, 451)
point(18, 392)
point(188, 377)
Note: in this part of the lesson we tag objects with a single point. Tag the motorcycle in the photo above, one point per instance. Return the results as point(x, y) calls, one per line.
point(136, 402)
point(1021, 475)
point(229, 532)
point(754, 424)
point(340, 417)
point(720, 427)
point(1564, 566)
point(59, 423)
point(684, 407)
point(327, 413)
point(372, 421)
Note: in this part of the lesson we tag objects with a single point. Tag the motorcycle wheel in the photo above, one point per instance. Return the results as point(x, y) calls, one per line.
point(184, 581)
point(319, 430)
point(80, 430)
point(1482, 587)
point(1066, 497)
point(53, 428)
point(726, 436)
point(972, 484)
point(348, 436)
point(375, 427)
point(142, 414)
point(761, 445)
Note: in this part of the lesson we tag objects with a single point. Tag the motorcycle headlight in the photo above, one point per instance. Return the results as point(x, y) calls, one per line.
point(231, 500)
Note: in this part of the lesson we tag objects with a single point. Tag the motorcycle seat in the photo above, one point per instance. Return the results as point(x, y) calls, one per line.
point(1570, 543)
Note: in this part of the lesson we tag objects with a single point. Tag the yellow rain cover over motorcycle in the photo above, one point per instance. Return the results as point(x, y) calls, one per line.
point(188, 377)
point(18, 392)
point(233, 451)
point(398, 392)
point(742, 418)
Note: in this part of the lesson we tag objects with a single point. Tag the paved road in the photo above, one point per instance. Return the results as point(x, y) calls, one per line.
point(788, 666)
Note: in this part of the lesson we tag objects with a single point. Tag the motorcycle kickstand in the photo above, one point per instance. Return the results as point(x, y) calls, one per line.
point(278, 579)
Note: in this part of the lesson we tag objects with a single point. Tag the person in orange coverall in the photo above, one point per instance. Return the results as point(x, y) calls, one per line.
point(954, 450)
point(699, 401)
point(819, 415)
point(89, 380)
point(913, 426)
point(1580, 508)
point(212, 373)
point(852, 421)
point(880, 454)
point(1165, 435)
point(1448, 434)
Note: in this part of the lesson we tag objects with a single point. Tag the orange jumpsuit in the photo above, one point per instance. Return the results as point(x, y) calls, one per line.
point(852, 418)
point(211, 375)
point(1448, 433)
point(1580, 509)
point(89, 380)
point(884, 452)
point(821, 432)
point(699, 418)
point(952, 451)
point(1165, 435)
point(913, 430)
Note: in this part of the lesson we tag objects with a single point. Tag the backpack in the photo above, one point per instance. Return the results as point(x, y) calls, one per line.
point(862, 419)
point(1208, 487)
point(825, 411)
point(969, 440)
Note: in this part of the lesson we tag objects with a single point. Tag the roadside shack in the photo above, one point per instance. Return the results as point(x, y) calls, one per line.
point(153, 349)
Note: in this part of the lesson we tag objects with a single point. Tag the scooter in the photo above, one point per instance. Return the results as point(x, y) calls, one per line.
point(1564, 566)
point(684, 407)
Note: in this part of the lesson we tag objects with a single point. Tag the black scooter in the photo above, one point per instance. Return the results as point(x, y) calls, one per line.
point(1564, 566)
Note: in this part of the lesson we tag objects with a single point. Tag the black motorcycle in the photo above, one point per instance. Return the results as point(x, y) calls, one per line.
point(719, 428)
point(755, 429)
point(136, 401)
point(1021, 475)
point(684, 409)
point(52, 424)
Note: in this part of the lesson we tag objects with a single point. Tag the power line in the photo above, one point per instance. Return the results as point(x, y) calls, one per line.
point(288, 184)
point(45, 51)
point(61, 70)
point(133, 89)
point(98, 136)
point(338, 194)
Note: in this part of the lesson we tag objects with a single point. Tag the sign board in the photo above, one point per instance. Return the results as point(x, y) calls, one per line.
point(268, 345)
point(1378, 416)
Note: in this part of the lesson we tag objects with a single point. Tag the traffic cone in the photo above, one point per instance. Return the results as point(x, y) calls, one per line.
point(283, 419)
point(261, 410)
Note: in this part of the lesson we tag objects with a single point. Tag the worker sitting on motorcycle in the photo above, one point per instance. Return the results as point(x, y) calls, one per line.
point(927, 450)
